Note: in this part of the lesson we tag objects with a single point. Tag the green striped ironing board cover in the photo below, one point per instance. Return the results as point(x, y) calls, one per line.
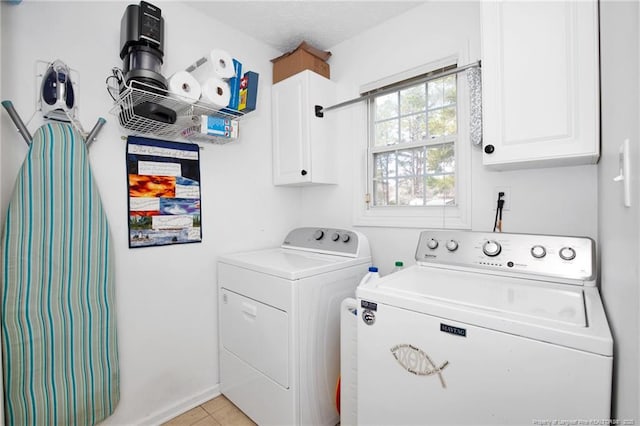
point(60, 359)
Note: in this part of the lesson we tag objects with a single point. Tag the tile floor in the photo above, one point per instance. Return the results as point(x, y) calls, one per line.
point(216, 412)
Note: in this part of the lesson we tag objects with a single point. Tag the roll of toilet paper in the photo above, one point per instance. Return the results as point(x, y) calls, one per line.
point(216, 92)
point(186, 86)
point(217, 63)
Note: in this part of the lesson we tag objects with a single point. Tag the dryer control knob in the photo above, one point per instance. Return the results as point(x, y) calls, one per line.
point(452, 245)
point(345, 238)
point(567, 253)
point(318, 234)
point(335, 236)
point(538, 251)
point(491, 248)
point(432, 244)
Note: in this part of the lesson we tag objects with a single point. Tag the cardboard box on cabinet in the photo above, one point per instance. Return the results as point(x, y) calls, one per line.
point(303, 57)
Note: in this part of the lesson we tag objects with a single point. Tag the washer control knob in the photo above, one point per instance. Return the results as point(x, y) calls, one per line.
point(335, 236)
point(318, 234)
point(345, 238)
point(567, 253)
point(538, 251)
point(452, 245)
point(432, 244)
point(491, 248)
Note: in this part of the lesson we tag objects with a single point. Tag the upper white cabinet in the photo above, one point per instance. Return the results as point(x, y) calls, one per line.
point(540, 83)
point(302, 142)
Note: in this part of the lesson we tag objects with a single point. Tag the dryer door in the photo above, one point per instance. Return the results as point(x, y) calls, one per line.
point(256, 333)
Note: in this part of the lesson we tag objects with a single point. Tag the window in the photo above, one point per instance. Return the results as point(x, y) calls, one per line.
point(413, 145)
point(417, 153)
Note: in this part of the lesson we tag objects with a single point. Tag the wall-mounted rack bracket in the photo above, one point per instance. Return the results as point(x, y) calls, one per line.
point(22, 129)
point(24, 132)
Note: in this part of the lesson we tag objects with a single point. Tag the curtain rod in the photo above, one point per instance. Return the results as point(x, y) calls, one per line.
point(371, 94)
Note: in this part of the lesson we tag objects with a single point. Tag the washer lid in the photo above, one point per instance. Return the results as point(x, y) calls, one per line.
point(291, 264)
point(524, 298)
point(556, 313)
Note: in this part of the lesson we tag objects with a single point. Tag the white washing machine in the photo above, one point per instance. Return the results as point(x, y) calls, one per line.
point(279, 324)
point(486, 329)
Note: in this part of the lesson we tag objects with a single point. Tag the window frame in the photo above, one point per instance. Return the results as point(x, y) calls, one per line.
point(452, 216)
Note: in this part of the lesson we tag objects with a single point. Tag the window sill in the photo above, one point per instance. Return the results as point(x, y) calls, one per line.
point(419, 217)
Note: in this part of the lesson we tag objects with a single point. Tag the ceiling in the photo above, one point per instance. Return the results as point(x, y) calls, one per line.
point(323, 24)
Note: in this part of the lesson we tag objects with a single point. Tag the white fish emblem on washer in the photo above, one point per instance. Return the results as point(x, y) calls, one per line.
point(416, 361)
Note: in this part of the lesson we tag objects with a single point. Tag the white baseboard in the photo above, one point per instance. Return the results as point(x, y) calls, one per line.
point(180, 407)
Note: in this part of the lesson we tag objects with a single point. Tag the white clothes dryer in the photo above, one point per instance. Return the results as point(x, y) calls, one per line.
point(487, 328)
point(279, 324)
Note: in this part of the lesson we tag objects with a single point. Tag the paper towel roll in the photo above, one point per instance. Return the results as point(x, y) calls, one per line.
point(222, 63)
point(217, 63)
point(184, 84)
point(216, 92)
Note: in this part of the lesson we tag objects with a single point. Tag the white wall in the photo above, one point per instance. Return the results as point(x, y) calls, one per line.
point(619, 227)
point(166, 296)
point(553, 201)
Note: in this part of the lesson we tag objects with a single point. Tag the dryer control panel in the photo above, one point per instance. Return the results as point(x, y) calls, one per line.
point(548, 256)
point(324, 240)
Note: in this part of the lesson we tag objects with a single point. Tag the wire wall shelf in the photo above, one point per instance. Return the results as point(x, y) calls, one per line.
point(147, 110)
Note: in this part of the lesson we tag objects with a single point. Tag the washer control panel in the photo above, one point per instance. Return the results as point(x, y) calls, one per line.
point(550, 256)
point(338, 241)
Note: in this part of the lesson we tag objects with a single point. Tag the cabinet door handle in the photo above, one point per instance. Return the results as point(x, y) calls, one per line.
point(489, 149)
point(303, 172)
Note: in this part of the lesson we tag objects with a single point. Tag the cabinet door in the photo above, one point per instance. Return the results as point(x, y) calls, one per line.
point(540, 83)
point(291, 150)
